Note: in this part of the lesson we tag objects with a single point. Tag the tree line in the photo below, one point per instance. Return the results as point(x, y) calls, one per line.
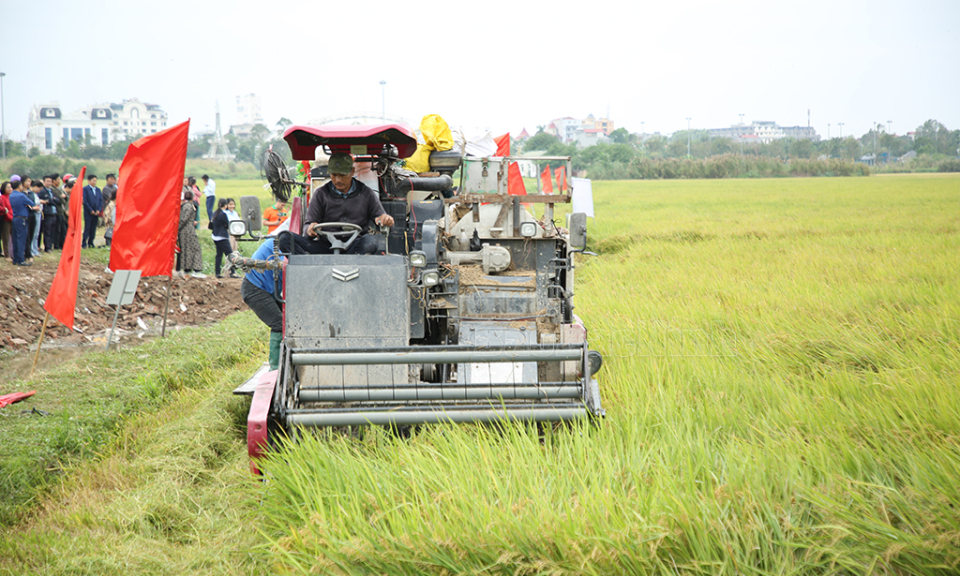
point(630, 156)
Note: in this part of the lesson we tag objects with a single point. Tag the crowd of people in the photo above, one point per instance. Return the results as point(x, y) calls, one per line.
point(34, 213)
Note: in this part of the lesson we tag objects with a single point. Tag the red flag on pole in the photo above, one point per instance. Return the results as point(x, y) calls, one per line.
point(62, 298)
point(545, 181)
point(515, 181)
point(503, 145)
point(148, 203)
point(561, 174)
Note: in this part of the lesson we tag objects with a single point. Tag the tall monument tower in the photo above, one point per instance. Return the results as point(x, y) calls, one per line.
point(218, 147)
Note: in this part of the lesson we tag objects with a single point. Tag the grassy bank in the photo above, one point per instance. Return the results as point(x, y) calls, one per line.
point(97, 396)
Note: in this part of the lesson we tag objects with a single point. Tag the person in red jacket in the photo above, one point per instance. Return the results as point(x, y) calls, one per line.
point(6, 217)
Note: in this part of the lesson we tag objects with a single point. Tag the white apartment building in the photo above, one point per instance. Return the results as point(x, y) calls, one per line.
point(764, 132)
point(248, 115)
point(100, 124)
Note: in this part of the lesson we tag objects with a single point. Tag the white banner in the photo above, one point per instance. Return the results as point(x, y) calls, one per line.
point(582, 196)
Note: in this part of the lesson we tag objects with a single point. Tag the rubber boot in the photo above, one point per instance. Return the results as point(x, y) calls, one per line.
point(275, 339)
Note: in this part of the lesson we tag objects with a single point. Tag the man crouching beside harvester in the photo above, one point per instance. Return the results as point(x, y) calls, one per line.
point(342, 199)
point(258, 291)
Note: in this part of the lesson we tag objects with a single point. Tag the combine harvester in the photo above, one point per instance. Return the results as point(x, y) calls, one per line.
point(466, 316)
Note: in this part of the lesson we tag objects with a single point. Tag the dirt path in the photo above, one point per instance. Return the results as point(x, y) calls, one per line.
point(23, 290)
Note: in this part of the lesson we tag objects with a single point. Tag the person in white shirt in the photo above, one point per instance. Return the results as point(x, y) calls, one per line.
point(210, 193)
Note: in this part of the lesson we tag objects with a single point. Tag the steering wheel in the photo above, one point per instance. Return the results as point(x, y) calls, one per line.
point(334, 231)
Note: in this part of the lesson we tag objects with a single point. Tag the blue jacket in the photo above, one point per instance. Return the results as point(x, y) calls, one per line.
point(263, 279)
point(92, 200)
point(19, 202)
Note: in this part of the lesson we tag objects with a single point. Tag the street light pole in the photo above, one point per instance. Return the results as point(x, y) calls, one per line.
point(3, 127)
point(740, 135)
point(383, 100)
point(688, 138)
point(876, 128)
point(840, 124)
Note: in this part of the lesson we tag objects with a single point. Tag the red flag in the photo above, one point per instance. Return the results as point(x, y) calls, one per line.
point(62, 298)
point(148, 203)
point(515, 181)
point(545, 180)
point(561, 174)
point(8, 399)
point(503, 145)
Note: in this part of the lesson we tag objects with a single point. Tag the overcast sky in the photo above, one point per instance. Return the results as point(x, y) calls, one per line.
point(504, 66)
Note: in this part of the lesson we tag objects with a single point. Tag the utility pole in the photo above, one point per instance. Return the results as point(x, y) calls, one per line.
point(740, 135)
point(383, 100)
point(876, 128)
point(3, 127)
point(688, 138)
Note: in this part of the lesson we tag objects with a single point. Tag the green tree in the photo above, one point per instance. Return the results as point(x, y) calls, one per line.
point(720, 146)
point(259, 132)
point(654, 145)
point(540, 141)
point(851, 148)
point(802, 148)
point(930, 138)
point(620, 136)
point(677, 148)
point(282, 124)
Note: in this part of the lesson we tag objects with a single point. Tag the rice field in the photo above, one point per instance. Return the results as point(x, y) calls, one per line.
point(781, 372)
point(782, 360)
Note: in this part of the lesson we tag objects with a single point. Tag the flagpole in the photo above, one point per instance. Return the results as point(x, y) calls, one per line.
point(43, 330)
point(166, 307)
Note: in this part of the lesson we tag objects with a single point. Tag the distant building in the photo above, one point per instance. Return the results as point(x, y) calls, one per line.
point(604, 124)
point(99, 124)
point(590, 137)
point(523, 135)
point(248, 115)
point(565, 128)
point(569, 129)
point(764, 132)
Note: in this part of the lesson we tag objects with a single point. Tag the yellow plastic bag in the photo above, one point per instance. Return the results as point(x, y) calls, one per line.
point(436, 135)
point(419, 162)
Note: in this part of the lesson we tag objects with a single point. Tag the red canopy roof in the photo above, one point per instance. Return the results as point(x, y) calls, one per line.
point(356, 140)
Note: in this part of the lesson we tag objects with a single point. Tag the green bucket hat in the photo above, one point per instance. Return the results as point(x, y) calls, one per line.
point(340, 164)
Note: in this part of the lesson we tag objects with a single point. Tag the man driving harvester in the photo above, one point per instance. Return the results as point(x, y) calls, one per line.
point(342, 200)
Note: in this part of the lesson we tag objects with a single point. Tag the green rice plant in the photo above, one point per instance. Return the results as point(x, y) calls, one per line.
point(781, 372)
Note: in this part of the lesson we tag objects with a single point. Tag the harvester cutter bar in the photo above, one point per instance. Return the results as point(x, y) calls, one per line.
point(449, 391)
point(440, 355)
point(416, 415)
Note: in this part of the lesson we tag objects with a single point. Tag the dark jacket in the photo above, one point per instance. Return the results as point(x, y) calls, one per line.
point(359, 207)
point(92, 200)
point(221, 224)
point(109, 193)
point(53, 201)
